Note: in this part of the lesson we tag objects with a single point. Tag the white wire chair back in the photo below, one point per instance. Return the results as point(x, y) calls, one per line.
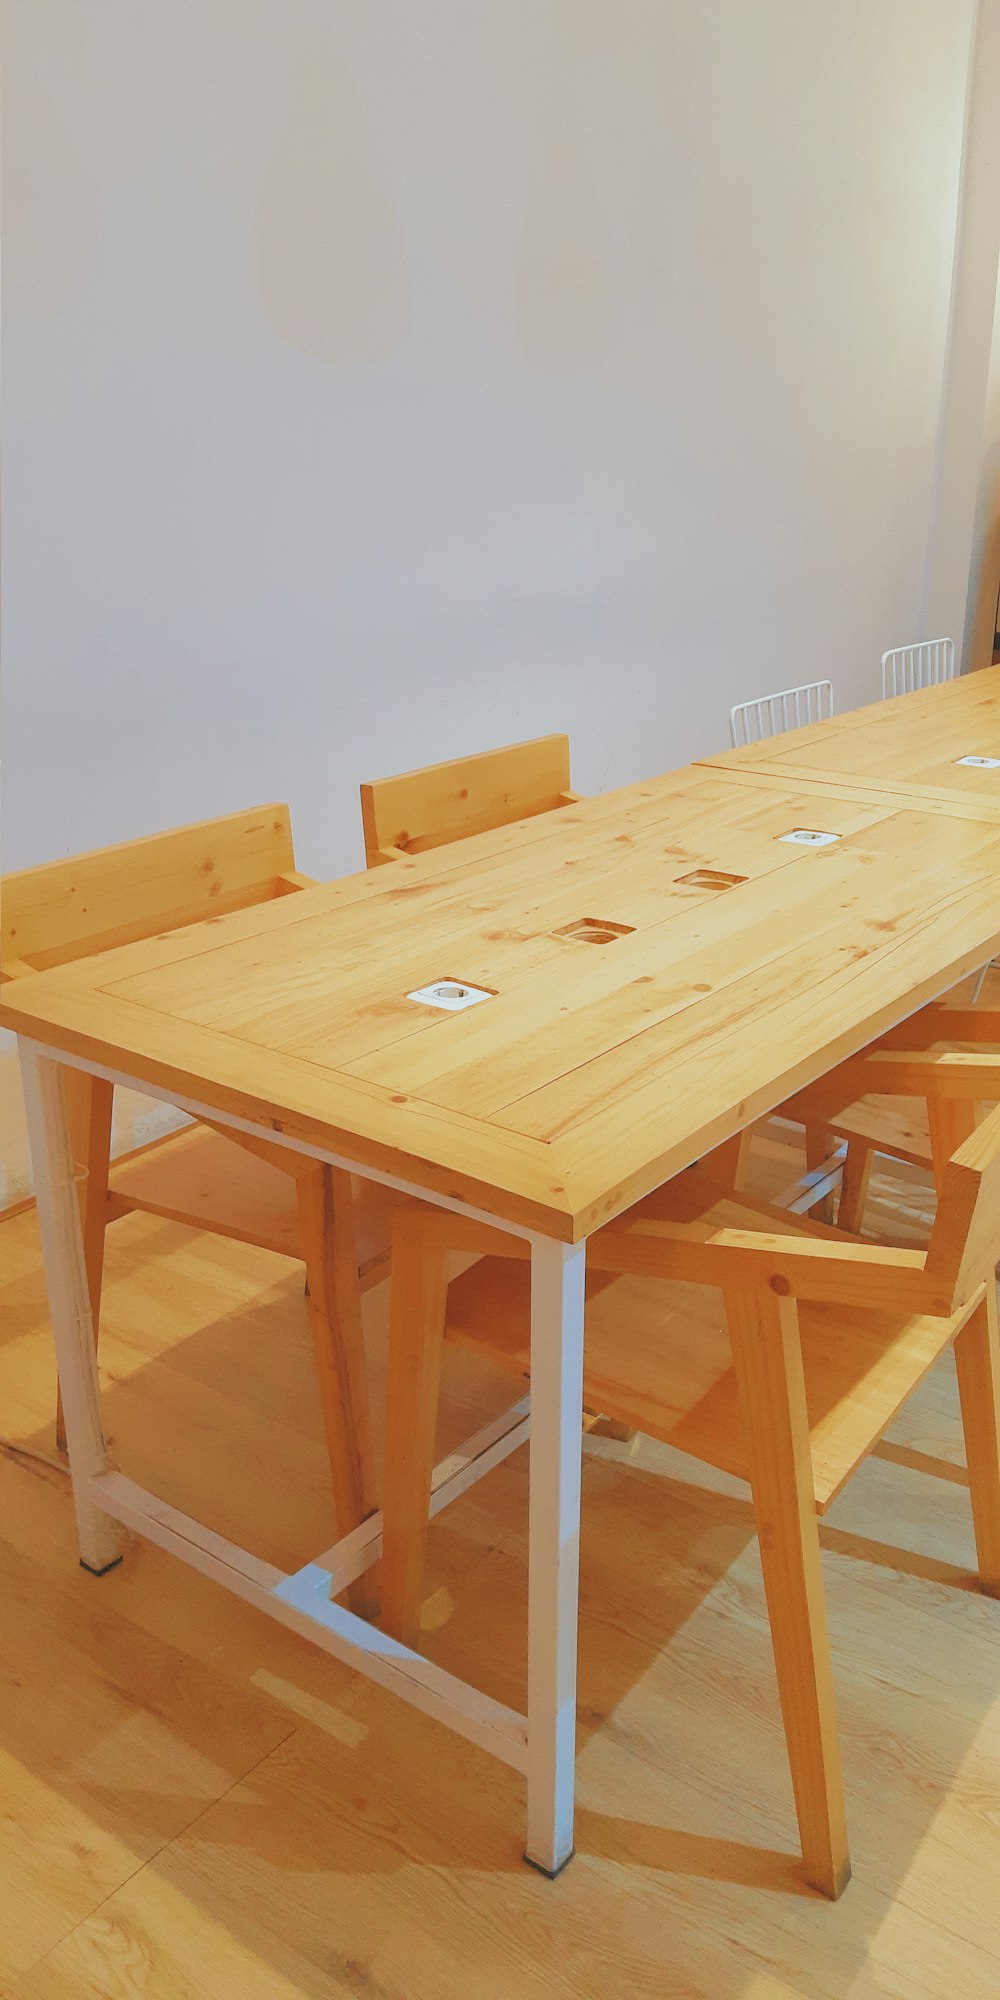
point(772, 714)
point(906, 668)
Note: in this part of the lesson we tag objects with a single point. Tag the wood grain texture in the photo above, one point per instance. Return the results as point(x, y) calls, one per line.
point(416, 1342)
point(442, 803)
point(106, 897)
point(854, 1185)
point(89, 1104)
point(595, 1071)
point(199, 1177)
point(977, 1362)
point(767, 1361)
point(330, 1251)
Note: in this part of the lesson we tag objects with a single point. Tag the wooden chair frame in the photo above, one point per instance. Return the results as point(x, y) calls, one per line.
point(766, 1277)
point(447, 802)
point(117, 895)
point(911, 1061)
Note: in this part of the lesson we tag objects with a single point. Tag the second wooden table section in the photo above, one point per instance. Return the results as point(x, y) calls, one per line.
point(915, 748)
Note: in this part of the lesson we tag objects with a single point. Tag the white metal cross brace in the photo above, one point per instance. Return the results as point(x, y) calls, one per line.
point(810, 1188)
point(542, 1744)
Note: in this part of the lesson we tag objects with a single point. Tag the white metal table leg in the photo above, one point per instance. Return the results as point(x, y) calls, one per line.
point(557, 1274)
point(62, 1242)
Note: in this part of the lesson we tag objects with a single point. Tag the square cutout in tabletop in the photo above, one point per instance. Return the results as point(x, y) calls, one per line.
point(594, 930)
point(709, 878)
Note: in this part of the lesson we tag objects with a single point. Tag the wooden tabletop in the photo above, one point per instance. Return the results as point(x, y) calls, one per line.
point(909, 747)
point(595, 1070)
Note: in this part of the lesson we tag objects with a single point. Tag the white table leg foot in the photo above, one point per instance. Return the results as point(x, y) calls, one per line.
point(557, 1274)
point(65, 1271)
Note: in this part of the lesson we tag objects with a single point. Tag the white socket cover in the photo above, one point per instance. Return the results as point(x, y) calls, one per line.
point(804, 836)
point(450, 994)
point(983, 763)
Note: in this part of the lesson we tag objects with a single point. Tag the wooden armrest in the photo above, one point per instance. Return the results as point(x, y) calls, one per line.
point(858, 1077)
point(849, 1272)
point(908, 1062)
point(892, 1072)
point(941, 1022)
point(831, 1267)
point(937, 1073)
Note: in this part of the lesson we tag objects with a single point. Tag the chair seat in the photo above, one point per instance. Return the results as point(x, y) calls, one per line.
point(897, 1126)
point(657, 1358)
point(199, 1178)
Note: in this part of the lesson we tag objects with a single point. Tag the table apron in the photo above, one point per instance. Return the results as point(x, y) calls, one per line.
point(212, 1114)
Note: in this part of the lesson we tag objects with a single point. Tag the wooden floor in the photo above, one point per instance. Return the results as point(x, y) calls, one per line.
point(195, 1803)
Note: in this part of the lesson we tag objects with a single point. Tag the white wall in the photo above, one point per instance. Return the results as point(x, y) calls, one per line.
point(385, 381)
point(984, 580)
point(955, 523)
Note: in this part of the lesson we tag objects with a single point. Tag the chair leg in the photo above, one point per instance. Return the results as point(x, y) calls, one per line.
point(768, 1361)
point(951, 1120)
point(727, 1164)
point(597, 1426)
point(819, 1146)
point(980, 980)
point(328, 1246)
point(416, 1341)
point(89, 1102)
point(977, 1359)
point(854, 1186)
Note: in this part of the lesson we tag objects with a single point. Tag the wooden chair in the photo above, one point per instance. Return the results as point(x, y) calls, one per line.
point(446, 802)
point(779, 1353)
point(212, 1178)
point(912, 1096)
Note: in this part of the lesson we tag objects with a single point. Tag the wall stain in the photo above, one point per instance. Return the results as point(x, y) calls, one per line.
point(332, 269)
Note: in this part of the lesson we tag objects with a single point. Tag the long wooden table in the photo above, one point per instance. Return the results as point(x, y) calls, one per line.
point(662, 966)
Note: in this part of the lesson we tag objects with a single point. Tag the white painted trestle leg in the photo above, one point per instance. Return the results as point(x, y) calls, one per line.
point(557, 1274)
point(55, 1178)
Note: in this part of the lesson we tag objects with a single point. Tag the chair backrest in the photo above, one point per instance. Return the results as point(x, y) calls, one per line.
point(68, 909)
point(964, 1248)
point(905, 668)
point(446, 802)
point(772, 714)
